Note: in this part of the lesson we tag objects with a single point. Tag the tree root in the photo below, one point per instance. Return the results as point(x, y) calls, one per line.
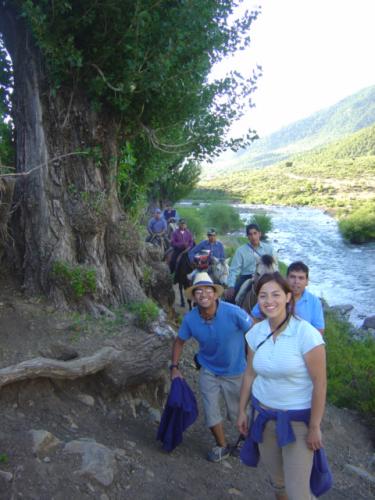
point(52, 368)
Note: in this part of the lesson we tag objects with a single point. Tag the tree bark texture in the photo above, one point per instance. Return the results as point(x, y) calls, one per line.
point(67, 208)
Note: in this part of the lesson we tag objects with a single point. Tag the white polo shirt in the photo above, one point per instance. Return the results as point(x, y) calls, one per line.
point(282, 380)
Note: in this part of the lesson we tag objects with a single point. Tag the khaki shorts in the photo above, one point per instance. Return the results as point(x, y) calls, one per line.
point(212, 386)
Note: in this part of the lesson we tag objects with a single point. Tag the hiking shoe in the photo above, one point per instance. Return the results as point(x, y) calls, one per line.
point(235, 449)
point(218, 453)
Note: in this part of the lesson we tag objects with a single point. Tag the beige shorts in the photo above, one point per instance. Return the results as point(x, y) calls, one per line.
point(212, 388)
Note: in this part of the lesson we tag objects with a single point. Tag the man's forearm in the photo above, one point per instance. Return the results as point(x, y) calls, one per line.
point(177, 349)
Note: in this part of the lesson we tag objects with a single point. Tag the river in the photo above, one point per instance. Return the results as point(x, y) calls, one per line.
point(341, 273)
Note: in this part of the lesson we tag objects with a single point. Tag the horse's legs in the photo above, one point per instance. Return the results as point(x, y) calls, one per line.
point(190, 306)
point(182, 301)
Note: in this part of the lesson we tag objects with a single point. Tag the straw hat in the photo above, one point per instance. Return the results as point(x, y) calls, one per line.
point(203, 279)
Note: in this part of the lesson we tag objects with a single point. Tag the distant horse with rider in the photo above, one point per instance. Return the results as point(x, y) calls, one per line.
point(218, 269)
point(246, 297)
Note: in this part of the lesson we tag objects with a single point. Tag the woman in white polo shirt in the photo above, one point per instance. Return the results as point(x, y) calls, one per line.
point(286, 377)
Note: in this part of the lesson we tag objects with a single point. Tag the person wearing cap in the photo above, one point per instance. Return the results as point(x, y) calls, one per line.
point(215, 247)
point(181, 240)
point(219, 329)
point(157, 226)
point(244, 262)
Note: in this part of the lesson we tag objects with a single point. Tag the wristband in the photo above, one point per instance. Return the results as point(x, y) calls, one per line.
point(173, 366)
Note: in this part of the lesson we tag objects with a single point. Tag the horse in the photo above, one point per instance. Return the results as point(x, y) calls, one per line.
point(246, 297)
point(219, 270)
point(160, 241)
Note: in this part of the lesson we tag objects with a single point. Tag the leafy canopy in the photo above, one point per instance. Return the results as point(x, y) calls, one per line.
point(147, 64)
point(150, 61)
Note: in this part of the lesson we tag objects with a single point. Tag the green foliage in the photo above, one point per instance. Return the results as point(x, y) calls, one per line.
point(131, 184)
point(176, 182)
point(340, 176)
point(350, 367)
point(211, 195)
point(282, 268)
point(264, 222)
point(359, 226)
point(146, 65)
point(147, 277)
point(224, 218)
point(80, 280)
point(145, 312)
point(194, 221)
point(4, 458)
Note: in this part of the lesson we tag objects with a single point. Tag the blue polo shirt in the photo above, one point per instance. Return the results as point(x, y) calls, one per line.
point(221, 340)
point(308, 307)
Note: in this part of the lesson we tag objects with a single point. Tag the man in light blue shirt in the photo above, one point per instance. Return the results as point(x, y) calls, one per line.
point(308, 306)
point(157, 225)
point(243, 265)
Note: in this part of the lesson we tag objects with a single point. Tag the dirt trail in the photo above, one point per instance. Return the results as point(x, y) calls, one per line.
point(88, 408)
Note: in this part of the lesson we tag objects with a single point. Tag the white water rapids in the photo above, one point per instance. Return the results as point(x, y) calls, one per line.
point(340, 272)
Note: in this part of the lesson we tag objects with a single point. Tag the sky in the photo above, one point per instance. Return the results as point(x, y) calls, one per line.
point(313, 54)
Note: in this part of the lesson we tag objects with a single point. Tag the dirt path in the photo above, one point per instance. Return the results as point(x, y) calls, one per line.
point(89, 409)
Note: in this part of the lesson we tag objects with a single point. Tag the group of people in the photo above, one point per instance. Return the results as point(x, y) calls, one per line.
point(181, 239)
point(272, 358)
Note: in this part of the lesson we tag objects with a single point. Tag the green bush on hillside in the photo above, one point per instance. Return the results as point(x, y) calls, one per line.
point(359, 226)
point(350, 367)
point(145, 312)
point(224, 218)
point(264, 222)
point(193, 217)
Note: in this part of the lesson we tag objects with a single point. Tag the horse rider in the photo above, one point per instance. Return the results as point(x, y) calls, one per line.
point(210, 246)
point(157, 228)
point(181, 240)
point(219, 328)
point(170, 213)
point(307, 305)
point(244, 262)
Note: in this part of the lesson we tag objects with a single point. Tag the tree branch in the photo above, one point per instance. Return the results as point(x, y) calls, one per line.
point(116, 89)
point(44, 164)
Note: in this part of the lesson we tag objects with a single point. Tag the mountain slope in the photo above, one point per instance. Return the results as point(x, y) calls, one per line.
point(347, 116)
point(340, 175)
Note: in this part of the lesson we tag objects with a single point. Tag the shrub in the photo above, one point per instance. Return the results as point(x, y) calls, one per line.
point(224, 218)
point(283, 268)
point(350, 367)
point(145, 312)
point(194, 221)
point(264, 221)
point(359, 226)
point(79, 280)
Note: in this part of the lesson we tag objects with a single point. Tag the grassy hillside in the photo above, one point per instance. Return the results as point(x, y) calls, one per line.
point(344, 118)
point(340, 176)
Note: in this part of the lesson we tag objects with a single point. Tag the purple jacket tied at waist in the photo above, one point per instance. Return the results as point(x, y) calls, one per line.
point(321, 477)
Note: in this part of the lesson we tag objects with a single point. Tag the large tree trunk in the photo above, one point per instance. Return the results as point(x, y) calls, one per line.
point(67, 205)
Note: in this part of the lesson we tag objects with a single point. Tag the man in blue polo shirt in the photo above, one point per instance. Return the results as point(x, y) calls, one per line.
point(308, 306)
point(219, 328)
point(215, 246)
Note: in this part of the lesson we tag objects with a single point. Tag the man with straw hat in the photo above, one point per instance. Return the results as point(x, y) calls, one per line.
point(219, 328)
